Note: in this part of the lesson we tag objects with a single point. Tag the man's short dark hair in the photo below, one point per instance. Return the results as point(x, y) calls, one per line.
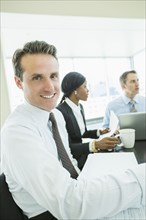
point(33, 47)
point(123, 77)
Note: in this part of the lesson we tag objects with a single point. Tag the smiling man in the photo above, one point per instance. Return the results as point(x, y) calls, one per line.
point(129, 101)
point(37, 179)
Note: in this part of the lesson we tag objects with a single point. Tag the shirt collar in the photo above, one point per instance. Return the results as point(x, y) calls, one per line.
point(127, 99)
point(38, 114)
point(72, 104)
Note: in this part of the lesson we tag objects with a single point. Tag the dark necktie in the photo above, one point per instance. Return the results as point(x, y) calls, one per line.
point(66, 162)
point(133, 109)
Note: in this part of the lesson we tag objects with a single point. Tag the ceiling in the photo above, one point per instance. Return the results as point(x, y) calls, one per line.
point(74, 36)
point(89, 8)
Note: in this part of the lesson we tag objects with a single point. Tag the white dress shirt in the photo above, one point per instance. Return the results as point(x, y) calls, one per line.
point(77, 113)
point(38, 182)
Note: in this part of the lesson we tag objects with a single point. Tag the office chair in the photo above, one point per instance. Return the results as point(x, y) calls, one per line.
point(8, 208)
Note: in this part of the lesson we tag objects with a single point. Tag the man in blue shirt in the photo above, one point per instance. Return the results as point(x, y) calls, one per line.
point(129, 101)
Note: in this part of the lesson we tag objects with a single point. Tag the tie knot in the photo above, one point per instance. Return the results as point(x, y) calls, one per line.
point(53, 120)
point(51, 117)
point(132, 101)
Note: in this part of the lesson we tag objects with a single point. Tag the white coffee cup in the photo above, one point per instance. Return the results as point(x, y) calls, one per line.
point(127, 137)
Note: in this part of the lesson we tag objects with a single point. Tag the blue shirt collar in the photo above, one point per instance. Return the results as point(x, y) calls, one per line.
point(127, 99)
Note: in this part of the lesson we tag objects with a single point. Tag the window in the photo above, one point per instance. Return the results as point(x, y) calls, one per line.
point(139, 66)
point(100, 48)
point(102, 76)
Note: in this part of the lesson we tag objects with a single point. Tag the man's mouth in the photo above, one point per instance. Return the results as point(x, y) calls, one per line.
point(47, 96)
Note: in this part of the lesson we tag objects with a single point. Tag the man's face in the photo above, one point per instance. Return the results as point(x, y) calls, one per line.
point(40, 80)
point(131, 87)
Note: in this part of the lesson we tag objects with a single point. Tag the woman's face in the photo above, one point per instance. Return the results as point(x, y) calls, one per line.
point(82, 92)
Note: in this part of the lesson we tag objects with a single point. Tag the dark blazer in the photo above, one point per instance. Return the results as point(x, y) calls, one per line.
point(79, 150)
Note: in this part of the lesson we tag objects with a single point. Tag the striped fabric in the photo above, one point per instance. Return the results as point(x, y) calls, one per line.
point(66, 162)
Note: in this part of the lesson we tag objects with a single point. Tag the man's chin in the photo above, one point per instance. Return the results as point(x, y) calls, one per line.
point(137, 92)
point(46, 108)
point(50, 108)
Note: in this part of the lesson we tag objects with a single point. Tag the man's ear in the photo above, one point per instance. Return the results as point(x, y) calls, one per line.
point(123, 85)
point(18, 82)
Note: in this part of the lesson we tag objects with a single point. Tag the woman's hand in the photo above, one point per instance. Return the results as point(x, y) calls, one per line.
point(106, 143)
point(104, 131)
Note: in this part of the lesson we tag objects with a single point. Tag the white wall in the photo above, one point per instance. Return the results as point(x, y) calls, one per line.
point(4, 98)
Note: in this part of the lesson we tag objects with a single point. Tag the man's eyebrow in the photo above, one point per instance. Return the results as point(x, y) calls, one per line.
point(40, 74)
point(36, 74)
point(55, 72)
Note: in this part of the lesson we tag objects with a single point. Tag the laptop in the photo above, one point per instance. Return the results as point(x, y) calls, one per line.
point(137, 121)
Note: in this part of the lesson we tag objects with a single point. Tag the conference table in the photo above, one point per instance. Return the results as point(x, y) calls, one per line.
point(139, 150)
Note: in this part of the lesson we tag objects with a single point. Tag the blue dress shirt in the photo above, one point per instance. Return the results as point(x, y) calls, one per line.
point(122, 105)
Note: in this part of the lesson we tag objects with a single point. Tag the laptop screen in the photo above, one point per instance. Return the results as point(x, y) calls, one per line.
point(137, 121)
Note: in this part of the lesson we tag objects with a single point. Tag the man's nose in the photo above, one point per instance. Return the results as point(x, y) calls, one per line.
point(48, 84)
point(137, 82)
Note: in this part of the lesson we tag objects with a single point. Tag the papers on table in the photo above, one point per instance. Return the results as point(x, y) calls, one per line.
point(114, 122)
point(113, 125)
point(105, 163)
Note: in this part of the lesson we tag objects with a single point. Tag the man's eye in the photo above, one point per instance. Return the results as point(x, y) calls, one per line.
point(54, 76)
point(37, 78)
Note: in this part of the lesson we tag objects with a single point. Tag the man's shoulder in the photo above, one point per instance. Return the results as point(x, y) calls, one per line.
point(56, 112)
point(59, 117)
point(115, 101)
point(14, 122)
point(141, 97)
point(20, 117)
point(14, 114)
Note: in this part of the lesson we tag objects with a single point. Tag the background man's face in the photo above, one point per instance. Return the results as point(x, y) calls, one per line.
point(131, 87)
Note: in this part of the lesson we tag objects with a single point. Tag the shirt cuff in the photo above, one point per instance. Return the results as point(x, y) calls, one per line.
point(140, 173)
point(98, 133)
point(92, 148)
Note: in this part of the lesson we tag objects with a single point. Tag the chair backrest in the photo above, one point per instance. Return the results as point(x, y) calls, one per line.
point(8, 208)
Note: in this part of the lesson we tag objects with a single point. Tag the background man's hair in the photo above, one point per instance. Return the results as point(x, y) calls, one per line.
point(123, 77)
point(33, 47)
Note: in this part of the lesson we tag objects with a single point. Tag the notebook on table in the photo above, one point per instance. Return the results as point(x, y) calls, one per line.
point(137, 121)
